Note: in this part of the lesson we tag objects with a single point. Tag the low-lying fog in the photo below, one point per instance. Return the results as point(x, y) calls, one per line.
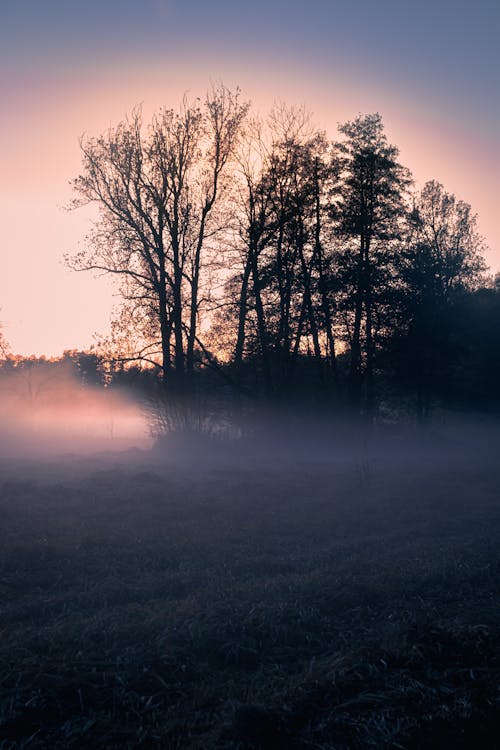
point(337, 575)
point(47, 415)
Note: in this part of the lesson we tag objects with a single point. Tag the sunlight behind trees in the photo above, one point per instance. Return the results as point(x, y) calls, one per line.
point(283, 264)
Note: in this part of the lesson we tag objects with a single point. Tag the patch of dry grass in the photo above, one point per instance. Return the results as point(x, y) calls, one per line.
point(245, 609)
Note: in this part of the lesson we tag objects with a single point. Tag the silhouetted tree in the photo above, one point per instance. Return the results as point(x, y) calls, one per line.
point(330, 278)
point(157, 190)
point(442, 263)
point(476, 382)
point(275, 295)
point(88, 366)
point(4, 347)
point(368, 208)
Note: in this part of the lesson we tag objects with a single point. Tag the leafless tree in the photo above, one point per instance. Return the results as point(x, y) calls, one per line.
point(157, 190)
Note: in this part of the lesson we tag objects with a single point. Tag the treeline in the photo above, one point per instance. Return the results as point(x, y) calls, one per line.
point(35, 381)
point(294, 268)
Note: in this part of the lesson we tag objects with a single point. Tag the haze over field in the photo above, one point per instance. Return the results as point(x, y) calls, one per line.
point(46, 414)
point(278, 605)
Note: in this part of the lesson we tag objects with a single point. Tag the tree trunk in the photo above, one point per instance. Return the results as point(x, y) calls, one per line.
point(242, 315)
point(195, 283)
point(370, 351)
point(309, 308)
point(261, 323)
point(165, 332)
point(355, 374)
point(318, 251)
point(177, 324)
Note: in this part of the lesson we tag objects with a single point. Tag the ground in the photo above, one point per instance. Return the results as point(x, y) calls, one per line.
point(296, 606)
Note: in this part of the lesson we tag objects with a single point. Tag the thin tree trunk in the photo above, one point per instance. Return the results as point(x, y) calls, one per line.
point(300, 327)
point(165, 332)
point(261, 322)
point(318, 250)
point(242, 315)
point(177, 322)
point(195, 283)
point(309, 306)
point(370, 394)
point(355, 365)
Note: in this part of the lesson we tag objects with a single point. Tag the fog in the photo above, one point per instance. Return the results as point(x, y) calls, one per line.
point(284, 575)
point(286, 439)
point(46, 411)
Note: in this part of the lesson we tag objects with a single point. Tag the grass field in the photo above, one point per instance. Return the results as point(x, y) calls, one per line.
point(298, 607)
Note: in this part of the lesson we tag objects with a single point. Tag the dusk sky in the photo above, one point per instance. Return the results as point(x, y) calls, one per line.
point(431, 68)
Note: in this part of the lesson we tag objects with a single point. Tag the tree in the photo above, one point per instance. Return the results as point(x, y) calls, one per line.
point(328, 281)
point(444, 232)
point(157, 190)
point(368, 207)
point(440, 266)
point(275, 294)
point(4, 347)
point(476, 381)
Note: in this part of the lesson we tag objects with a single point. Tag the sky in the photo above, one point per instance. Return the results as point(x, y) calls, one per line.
point(431, 68)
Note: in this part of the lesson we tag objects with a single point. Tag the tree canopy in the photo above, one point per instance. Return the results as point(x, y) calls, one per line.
point(290, 265)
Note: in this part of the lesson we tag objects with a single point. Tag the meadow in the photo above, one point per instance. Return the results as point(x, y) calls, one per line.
point(275, 605)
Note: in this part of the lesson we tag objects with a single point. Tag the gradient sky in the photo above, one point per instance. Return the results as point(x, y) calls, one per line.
point(431, 68)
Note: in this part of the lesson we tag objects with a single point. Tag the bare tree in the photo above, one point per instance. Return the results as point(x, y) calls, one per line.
point(444, 231)
point(280, 235)
point(4, 347)
point(157, 189)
